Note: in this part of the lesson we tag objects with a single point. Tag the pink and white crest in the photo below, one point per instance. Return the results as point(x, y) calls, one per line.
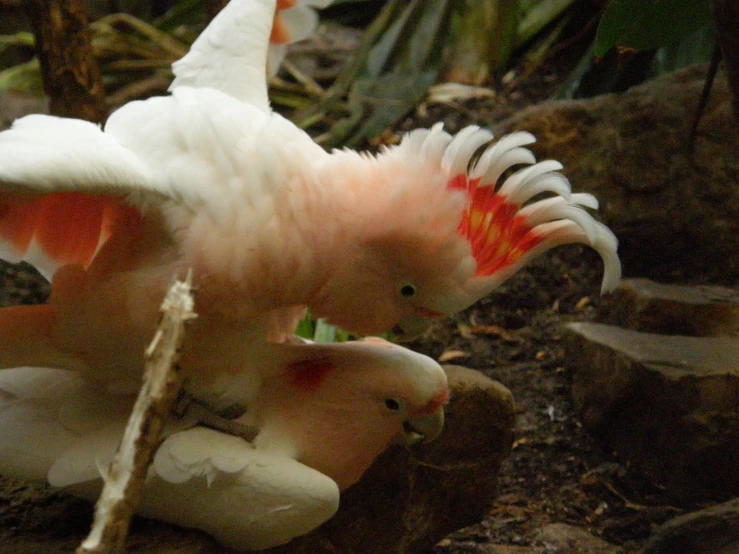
point(505, 206)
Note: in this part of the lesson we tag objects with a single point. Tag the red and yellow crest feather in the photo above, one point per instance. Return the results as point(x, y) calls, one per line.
point(515, 207)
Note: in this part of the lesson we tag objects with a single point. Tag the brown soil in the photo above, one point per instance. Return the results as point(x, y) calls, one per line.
point(556, 472)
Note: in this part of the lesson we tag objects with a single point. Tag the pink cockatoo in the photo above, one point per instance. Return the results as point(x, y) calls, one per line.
point(323, 418)
point(210, 179)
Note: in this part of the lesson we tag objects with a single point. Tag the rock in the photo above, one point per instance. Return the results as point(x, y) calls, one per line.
point(21, 284)
point(560, 537)
point(714, 530)
point(406, 503)
point(665, 401)
point(700, 311)
point(508, 549)
point(675, 212)
point(668, 404)
point(557, 537)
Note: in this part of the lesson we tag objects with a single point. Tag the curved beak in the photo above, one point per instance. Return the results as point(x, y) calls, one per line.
point(421, 429)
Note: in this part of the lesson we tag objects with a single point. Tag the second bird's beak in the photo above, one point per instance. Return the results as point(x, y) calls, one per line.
point(421, 429)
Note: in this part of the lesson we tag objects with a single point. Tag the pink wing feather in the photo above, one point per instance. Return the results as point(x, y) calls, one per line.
point(56, 229)
point(63, 185)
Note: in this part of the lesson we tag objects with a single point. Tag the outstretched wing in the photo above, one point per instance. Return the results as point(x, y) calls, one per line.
point(246, 42)
point(230, 55)
point(49, 154)
point(66, 186)
point(62, 190)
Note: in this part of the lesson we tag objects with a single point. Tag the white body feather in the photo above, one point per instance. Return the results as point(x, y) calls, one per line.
point(55, 426)
point(315, 439)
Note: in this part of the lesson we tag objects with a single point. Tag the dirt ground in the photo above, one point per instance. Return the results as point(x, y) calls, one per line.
point(556, 472)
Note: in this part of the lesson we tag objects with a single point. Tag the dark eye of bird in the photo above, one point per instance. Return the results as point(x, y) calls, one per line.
point(407, 291)
point(392, 404)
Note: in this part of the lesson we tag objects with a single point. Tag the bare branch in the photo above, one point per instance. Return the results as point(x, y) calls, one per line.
point(125, 478)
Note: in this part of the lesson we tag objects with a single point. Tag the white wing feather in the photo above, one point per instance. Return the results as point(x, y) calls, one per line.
point(246, 498)
point(52, 154)
point(48, 415)
point(231, 53)
point(210, 148)
point(194, 147)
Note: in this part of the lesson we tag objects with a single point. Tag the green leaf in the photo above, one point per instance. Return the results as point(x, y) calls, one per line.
point(24, 78)
point(537, 15)
point(324, 332)
point(698, 49)
point(376, 104)
point(470, 55)
point(22, 38)
point(328, 333)
point(398, 70)
point(307, 327)
point(184, 12)
point(612, 73)
point(649, 24)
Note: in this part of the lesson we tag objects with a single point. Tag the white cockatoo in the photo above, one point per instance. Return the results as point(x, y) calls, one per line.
point(322, 418)
point(210, 179)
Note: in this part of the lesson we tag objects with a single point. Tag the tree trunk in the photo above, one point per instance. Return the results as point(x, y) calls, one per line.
point(70, 72)
point(726, 15)
point(213, 7)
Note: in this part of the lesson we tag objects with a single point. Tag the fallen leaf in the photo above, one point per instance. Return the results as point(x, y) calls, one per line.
point(493, 330)
point(464, 331)
point(452, 355)
point(451, 92)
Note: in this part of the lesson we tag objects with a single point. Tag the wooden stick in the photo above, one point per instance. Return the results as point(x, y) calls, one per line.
point(127, 472)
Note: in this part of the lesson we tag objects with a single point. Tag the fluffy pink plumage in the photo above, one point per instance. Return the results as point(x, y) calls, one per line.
point(209, 178)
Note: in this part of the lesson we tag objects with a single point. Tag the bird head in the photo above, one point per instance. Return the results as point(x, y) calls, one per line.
point(445, 220)
point(339, 406)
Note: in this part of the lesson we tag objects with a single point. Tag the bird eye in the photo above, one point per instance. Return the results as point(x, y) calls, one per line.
point(392, 404)
point(406, 291)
